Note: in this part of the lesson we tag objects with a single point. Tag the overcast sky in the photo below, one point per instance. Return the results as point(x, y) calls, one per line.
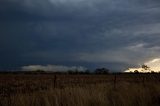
point(92, 33)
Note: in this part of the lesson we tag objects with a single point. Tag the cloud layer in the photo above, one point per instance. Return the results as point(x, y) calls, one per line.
point(53, 68)
point(93, 33)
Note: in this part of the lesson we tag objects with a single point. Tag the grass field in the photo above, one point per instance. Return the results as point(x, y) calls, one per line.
point(79, 90)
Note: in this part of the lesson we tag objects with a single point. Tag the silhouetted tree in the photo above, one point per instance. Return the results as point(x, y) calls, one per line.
point(152, 72)
point(101, 71)
point(136, 71)
point(87, 71)
point(145, 67)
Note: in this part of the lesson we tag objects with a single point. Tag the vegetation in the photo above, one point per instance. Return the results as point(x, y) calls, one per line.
point(102, 71)
point(145, 67)
point(79, 90)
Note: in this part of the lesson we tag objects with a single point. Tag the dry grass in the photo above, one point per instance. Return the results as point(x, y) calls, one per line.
point(80, 90)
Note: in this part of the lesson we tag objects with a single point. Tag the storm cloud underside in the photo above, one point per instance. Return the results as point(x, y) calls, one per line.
point(91, 33)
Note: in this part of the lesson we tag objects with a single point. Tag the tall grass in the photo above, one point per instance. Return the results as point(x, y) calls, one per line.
point(100, 93)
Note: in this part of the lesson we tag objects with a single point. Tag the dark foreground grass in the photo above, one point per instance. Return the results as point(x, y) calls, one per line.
point(80, 90)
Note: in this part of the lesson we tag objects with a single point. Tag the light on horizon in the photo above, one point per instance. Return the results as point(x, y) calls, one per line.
point(154, 66)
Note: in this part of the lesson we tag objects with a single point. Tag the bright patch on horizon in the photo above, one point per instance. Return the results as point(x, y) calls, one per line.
point(154, 66)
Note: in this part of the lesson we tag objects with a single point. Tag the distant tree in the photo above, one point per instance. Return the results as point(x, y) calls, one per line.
point(74, 72)
point(101, 71)
point(152, 72)
point(39, 70)
point(136, 71)
point(70, 72)
point(145, 67)
point(87, 71)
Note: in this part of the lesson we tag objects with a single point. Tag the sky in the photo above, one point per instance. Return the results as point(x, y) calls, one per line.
point(115, 34)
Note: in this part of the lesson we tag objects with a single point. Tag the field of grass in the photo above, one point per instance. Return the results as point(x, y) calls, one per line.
point(79, 90)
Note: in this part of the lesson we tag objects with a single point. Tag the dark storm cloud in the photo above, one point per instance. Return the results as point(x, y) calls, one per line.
point(79, 32)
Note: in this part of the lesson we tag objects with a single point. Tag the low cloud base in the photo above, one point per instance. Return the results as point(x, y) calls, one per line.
point(53, 68)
